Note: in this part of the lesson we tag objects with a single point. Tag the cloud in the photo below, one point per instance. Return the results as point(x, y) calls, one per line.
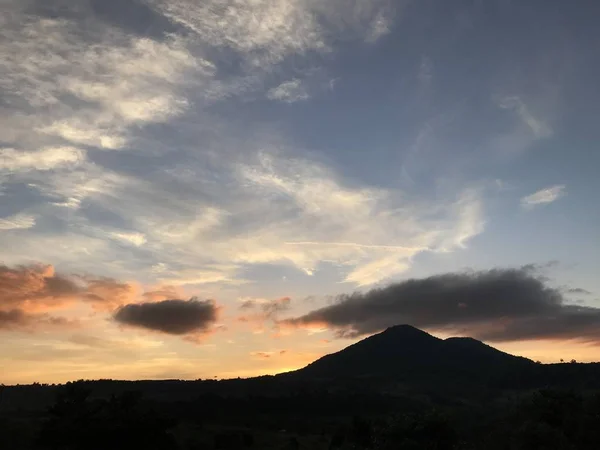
point(288, 92)
point(47, 158)
point(98, 83)
point(268, 309)
point(277, 210)
point(261, 313)
point(38, 288)
point(537, 127)
point(131, 344)
point(136, 239)
point(266, 31)
point(268, 354)
point(19, 221)
point(262, 355)
point(13, 318)
point(322, 219)
point(19, 320)
point(494, 305)
point(543, 196)
point(379, 27)
point(578, 291)
point(107, 293)
point(107, 89)
point(176, 317)
point(35, 287)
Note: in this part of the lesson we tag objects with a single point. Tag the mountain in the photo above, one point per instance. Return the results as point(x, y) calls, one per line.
point(406, 353)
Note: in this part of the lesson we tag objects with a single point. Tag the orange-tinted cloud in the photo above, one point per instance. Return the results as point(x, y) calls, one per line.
point(269, 354)
point(162, 293)
point(107, 293)
point(28, 293)
point(263, 355)
point(17, 319)
point(35, 288)
point(262, 312)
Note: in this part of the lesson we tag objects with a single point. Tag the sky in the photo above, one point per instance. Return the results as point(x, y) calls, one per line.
point(223, 188)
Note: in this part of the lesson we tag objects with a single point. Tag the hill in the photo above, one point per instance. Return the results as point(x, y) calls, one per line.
point(407, 354)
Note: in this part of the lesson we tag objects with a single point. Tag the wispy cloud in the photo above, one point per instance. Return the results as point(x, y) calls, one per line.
point(136, 239)
point(104, 89)
point(47, 158)
point(543, 196)
point(265, 31)
point(289, 92)
point(538, 127)
point(379, 27)
point(19, 221)
point(278, 210)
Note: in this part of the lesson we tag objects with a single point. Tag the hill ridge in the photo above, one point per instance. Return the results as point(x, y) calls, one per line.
point(404, 349)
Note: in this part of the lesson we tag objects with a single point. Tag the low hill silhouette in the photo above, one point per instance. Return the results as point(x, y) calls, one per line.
point(402, 360)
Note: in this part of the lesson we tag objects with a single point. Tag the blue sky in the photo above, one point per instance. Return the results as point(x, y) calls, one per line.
point(234, 150)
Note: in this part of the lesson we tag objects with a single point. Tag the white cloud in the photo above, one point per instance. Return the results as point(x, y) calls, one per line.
point(379, 27)
point(92, 85)
point(543, 196)
point(17, 222)
point(88, 86)
point(469, 221)
point(276, 210)
point(133, 238)
point(46, 158)
point(274, 27)
point(289, 92)
point(70, 188)
point(266, 31)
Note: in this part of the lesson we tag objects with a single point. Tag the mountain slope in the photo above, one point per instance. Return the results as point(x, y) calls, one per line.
point(407, 353)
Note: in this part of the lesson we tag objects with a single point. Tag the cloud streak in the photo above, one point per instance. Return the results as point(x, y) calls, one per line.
point(495, 305)
point(288, 92)
point(543, 196)
point(537, 127)
point(19, 221)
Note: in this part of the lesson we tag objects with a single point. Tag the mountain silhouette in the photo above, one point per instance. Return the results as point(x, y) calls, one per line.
point(405, 352)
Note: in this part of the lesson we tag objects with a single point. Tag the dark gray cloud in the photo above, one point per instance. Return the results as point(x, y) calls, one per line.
point(170, 316)
point(494, 305)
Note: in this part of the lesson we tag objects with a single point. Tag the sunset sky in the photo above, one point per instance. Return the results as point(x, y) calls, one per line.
point(221, 188)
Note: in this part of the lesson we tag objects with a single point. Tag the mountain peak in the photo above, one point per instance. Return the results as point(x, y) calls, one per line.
point(404, 349)
point(403, 328)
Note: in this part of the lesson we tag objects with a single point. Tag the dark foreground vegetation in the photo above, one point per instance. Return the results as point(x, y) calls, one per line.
point(395, 390)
